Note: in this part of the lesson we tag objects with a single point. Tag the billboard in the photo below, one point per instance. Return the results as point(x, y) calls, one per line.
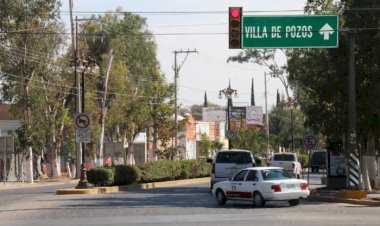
point(237, 113)
point(214, 114)
point(255, 115)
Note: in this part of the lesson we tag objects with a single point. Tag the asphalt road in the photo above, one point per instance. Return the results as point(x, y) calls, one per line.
point(185, 205)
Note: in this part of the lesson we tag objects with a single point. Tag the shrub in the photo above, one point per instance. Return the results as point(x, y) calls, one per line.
point(100, 176)
point(304, 160)
point(126, 174)
point(160, 171)
point(174, 169)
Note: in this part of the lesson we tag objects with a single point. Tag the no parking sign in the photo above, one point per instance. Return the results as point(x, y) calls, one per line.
point(309, 141)
point(83, 128)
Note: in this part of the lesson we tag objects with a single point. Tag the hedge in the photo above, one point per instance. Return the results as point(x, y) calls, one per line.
point(101, 176)
point(125, 174)
point(174, 169)
point(164, 170)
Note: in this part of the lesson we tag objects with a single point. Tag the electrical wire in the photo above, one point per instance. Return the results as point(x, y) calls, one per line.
point(208, 12)
point(181, 34)
point(90, 97)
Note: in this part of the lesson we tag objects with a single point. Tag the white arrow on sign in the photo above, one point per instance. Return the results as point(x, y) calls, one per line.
point(326, 31)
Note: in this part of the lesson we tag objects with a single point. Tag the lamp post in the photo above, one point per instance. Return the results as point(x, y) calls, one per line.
point(84, 65)
point(228, 92)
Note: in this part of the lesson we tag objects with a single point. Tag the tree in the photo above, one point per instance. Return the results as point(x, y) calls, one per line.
point(267, 58)
point(207, 146)
point(205, 103)
point(252, 140)
point(322, 90)
point(281, 128)
point(137, 90)
point(28, 62)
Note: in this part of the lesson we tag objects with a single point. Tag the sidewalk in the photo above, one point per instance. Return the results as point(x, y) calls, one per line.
point(37, 183)
point(321, 194)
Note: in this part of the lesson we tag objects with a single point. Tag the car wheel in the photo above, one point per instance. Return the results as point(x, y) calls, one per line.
point(258, 199)
point(294, 202)
point(220, 197)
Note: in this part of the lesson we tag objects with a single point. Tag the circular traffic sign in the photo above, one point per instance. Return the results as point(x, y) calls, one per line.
point(310, 141)
point(82, 121)
point(230, 134)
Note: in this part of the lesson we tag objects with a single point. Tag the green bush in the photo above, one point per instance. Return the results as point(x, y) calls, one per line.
point(126, 174)
point(174, 169)
point(150, 172)
point(304, 160)
point(100, 176)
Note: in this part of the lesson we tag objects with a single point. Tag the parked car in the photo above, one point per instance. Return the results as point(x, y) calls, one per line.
point(261, 184)
point(227, 162)
point(318, 161)
point(288, 161)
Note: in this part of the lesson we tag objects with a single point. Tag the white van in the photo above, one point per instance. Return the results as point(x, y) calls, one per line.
point(228, 162)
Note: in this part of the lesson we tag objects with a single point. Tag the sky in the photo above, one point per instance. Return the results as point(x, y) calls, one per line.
point(208, 71)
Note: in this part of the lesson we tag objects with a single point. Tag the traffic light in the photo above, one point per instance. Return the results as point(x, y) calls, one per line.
point(234, 25)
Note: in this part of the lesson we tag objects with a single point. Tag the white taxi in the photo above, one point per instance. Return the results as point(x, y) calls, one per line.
point(260, 184)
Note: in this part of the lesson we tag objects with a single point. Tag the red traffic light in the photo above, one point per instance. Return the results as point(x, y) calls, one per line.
point(234, 27)
point(235, 12)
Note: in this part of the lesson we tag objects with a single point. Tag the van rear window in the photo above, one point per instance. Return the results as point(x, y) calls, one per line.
point(234, 157)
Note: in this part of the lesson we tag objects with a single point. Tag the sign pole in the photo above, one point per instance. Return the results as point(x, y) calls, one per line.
point(308, 168)
point(5, 160)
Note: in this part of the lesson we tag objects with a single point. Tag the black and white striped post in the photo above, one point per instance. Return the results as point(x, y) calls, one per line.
point(354, 178)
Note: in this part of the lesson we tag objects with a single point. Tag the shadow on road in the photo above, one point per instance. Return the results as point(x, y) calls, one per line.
point(177, 197)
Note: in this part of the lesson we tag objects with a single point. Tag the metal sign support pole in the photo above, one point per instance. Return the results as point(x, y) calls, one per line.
point(5, 161)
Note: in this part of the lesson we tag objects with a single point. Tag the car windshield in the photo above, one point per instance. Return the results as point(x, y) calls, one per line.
point(275, 174)
point(283, 157)
point(234, 157)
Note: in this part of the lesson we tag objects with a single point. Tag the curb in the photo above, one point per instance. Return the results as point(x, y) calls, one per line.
point(367, 202)
point(132, 187)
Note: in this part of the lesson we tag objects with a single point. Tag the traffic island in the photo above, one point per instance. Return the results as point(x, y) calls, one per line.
point(132, 187)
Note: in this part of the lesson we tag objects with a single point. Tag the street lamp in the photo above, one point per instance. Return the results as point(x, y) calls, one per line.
point(228, 92)
point(81, 64)
point(84, 65)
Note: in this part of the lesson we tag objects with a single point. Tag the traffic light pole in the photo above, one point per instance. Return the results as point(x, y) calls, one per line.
point(354, 177)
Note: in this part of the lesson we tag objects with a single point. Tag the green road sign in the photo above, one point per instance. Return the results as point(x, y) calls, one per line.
point(303, 31)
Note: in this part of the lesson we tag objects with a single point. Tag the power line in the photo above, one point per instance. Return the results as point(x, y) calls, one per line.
point(179, 33)
point(72, 87)
point(91, 97)
point(208, 12)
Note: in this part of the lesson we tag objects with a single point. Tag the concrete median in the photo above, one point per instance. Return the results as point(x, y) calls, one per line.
point(110, 189)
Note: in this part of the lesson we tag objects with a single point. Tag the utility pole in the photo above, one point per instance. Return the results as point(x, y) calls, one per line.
point(74, 38)
point(176, 74)
point(266, 115)
point(104, 108)
point(78, 99)
point(292, 127)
